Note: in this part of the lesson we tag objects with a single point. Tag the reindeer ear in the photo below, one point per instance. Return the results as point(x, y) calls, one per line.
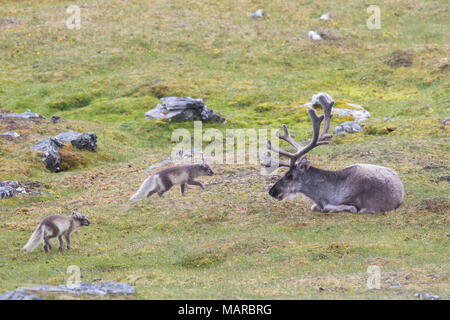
point(303, 165)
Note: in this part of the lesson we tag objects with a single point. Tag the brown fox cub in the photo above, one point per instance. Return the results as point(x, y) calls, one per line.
point(56, 226)
point(165, 179)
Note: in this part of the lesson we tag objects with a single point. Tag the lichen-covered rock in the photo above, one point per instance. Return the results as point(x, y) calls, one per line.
point(348, 127)
point(183, 109)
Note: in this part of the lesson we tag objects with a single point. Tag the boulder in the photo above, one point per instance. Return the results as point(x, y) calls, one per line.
point(183, 109)
point(27, 115)
point(348, 127)
point(82, 141)
point(85, 288)
point(51, 146)
point(7, 192)
point(18, 295)
point(10, 135)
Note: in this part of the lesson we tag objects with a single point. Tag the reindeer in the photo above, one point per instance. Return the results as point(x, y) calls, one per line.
point(357, 188)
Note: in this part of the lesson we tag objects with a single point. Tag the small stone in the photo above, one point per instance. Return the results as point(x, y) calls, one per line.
point(313, 35)
point(426, 296)
point(258, 14)
point(325, 16)
point(56, 119)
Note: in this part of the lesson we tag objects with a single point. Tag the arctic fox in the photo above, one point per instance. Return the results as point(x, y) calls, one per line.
point(56, 226)
point(165, 179)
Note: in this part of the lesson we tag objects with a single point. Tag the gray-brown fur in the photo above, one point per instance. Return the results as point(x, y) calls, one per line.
point(56, 226)
point(160, 182)
point(358, 188)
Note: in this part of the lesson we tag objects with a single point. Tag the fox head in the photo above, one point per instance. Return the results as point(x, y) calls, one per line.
point(81, 218)
point(206, 170)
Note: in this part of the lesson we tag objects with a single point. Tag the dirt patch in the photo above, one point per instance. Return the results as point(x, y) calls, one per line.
point(436, 204)
point(4, 22)
point(399, 58)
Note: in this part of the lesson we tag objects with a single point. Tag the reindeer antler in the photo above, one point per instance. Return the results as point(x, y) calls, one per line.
point(317, 140)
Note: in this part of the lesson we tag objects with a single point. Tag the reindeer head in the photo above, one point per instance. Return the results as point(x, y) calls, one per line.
point(296, 179)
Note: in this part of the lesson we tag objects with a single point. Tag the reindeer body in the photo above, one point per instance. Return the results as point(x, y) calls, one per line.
point(358, 188)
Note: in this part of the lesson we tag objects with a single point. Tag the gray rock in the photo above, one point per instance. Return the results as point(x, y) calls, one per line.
point(24, 115)
point(258, 14)
point(50, 147)
point(357, 111)
point(18, 295)
point(348, 127)
point(56, 119)
point(86, 288)
point(10, 135)
point(11, 184)
point(325, 16)
point(51, 158)
point(183, 109)
point(426, 296)
point(322, 98)
point(7, 192)
point(82, 141)
point(313, 35)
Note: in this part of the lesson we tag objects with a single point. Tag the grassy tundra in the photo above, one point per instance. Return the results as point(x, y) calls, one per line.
point(231, 240)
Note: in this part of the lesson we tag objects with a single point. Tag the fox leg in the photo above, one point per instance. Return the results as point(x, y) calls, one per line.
point(47, 244)
point(61, 244)
point(165, 185)
point(67, 236)
point(182, 188)
point(196, 183)
point(151, 192)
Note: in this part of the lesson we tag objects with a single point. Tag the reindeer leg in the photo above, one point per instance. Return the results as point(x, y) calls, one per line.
point(182, 188)
point(316, 207)
point(339, 208)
